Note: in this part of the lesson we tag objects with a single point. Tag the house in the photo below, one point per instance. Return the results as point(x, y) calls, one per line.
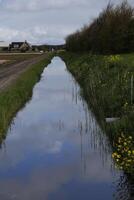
point(4, 46)
point(20, 46)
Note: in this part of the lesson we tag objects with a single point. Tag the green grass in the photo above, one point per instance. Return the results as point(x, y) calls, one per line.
point(128, 59)
point(106, 86)
point(106, 81)
point(13, 98)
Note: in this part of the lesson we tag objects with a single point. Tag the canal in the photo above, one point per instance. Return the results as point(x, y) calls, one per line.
point(55, 149)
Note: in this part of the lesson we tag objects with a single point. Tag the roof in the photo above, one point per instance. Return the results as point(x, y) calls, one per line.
point(18, 43)
point(4, 44)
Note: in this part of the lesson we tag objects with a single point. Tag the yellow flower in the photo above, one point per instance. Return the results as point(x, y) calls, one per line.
point(129, 152)
point(118, 156)
point(129, 161)
point(124, 157)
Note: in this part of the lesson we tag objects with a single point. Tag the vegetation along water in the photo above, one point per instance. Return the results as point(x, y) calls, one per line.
point(107, 76)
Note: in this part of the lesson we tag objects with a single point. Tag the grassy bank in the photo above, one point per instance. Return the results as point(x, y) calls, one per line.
point(107, 86)
point(13, 98)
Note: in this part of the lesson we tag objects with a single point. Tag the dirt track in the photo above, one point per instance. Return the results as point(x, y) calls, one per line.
point(11, 72)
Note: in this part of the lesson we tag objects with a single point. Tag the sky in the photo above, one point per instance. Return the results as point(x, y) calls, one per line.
point(46, 21)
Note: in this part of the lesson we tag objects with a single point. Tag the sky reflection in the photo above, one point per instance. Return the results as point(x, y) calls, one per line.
point(54, 148)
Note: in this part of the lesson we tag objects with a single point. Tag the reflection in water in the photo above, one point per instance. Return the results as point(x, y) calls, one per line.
point(124, 188)
point(55, 149)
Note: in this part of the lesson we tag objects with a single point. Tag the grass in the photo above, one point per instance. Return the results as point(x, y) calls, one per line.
point(13, 98)
point(106, 81)
point(106, 86)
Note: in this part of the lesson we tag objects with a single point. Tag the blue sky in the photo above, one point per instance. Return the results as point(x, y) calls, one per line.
point(46, 21)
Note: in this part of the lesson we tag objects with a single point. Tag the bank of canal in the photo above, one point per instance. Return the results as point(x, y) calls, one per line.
point(55, 148)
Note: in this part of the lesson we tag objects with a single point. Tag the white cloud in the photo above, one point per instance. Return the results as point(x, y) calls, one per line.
point(36, 35)
point(38, 5)
point(46, 21)
point(16, 35)
point(34, 5)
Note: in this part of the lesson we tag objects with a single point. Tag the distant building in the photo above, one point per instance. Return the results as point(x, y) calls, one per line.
point(46, 47)
point(20, 46)
point(4, 46)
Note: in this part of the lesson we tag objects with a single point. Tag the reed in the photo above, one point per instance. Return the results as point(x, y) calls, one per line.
point(106, 82)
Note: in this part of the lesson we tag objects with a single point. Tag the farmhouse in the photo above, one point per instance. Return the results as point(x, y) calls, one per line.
point(4, 46)
point(20, 46)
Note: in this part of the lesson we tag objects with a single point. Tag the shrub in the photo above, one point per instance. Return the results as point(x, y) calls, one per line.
point(111, 32)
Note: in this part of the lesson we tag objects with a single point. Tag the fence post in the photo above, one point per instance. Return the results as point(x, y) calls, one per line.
point(132, 87)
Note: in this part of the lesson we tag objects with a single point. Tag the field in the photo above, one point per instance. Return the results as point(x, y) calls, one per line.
point(13, 58)
point(12, 65)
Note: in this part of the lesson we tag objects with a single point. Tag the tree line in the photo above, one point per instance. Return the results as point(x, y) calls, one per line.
point(111, 32)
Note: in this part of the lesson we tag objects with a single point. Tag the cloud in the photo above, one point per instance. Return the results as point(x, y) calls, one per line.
point(35, 35)
point(46, 21)
point(30, 34)
point(38, 5)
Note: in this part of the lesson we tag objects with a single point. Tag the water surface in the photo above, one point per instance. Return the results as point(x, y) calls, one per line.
point(55, 149)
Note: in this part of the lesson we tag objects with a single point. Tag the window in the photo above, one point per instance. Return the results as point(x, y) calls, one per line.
point(16, 46)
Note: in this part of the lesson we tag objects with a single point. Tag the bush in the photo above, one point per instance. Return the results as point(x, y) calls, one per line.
point(112, 32)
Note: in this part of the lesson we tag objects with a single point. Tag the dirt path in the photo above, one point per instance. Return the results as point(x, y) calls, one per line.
point(11, 72)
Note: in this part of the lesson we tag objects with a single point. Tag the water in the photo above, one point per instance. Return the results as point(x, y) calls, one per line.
point(55, 150)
